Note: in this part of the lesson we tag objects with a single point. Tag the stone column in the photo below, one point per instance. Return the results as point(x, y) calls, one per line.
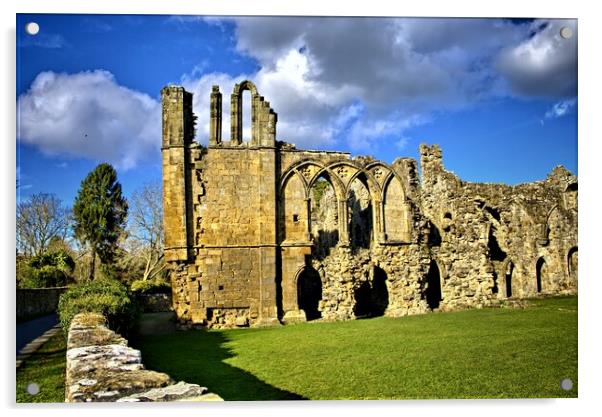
point(343, 222)
point(379, 223)
point(235, 120)
point(268, 223)
point(215, 117)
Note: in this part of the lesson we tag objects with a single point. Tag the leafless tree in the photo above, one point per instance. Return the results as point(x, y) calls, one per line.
point(40, 219)
point(145, 233)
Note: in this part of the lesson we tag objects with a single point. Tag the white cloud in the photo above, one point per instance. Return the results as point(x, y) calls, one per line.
point(354, 82)
point(89, 114)
point(545, 64)
point(562, 108)
point(400, 72)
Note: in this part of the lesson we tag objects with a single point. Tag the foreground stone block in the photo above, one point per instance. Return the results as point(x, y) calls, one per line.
point(101, 367)
point(177, 392)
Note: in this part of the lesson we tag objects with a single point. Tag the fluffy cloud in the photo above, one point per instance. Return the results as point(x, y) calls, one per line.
point(399, 73)
point(352, 82)
point(545, 64)
point(88, 114)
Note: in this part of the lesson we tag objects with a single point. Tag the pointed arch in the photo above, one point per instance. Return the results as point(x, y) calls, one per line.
point(360, 206)
point(397, 215)
point(325, 223)
point(294, 210)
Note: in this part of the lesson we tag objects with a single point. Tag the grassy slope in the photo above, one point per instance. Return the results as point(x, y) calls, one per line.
point(46, 368)
point(491, 353)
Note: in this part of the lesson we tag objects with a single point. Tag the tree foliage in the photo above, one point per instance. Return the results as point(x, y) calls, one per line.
point(40, 219)
point(100, 213)
point(50, 269)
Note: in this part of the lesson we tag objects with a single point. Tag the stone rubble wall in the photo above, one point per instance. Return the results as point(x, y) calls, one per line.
point(484, 228)
point(101, 367)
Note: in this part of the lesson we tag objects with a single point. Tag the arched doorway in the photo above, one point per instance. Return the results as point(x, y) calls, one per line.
point(508, 274)
point(309, 293)
point(433, 289)
point(540, 273)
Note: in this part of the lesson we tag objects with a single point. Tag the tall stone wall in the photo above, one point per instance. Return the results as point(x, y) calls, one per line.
point(260, 233)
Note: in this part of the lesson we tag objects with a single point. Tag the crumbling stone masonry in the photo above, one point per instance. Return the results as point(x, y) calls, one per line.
point(259, 233)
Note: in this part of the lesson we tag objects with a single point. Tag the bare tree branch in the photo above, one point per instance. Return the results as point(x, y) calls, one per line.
point(39, 220)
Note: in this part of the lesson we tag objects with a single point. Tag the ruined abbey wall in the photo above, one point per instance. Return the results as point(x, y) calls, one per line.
point(260, 233)
point(499, 241)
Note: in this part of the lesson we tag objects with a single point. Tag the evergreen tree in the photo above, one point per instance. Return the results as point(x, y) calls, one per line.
point(100, 213)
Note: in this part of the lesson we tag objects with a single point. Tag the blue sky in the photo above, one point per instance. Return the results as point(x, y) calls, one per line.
point(498, 95)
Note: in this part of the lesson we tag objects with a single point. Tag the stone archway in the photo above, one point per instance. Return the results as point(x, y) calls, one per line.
point(309, 292)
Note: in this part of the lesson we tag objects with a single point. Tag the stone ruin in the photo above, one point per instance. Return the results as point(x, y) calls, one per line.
point(260, 233)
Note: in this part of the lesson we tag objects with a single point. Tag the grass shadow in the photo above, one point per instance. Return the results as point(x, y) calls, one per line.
point(199, 357)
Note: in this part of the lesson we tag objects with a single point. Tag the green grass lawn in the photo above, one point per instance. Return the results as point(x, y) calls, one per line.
point(489, 353)
point(46, 367)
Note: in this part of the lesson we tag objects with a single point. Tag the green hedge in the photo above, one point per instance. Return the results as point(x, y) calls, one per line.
point(108, 297)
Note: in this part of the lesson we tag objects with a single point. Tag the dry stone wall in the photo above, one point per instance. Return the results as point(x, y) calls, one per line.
point(101, 367)
point(259, 232)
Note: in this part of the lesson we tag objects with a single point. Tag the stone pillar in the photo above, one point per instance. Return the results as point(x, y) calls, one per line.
point(178, 133)
point(215, 117)
point(256, 119)
point(235, 119)
point(268, 223)
point(343, 221)
point(379, 228)
point(270, 137)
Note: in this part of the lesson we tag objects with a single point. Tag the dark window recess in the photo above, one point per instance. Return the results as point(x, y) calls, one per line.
point(220, 287)
point(295, 218)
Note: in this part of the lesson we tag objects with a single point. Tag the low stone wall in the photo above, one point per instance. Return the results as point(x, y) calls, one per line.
point(35, 302)
point(101, 367)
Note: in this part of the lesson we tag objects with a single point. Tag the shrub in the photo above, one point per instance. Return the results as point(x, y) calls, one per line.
point(105, 296)
point(151, 286)
point(44, 277)
point(50, 269)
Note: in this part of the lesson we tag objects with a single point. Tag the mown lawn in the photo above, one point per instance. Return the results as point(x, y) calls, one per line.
point(489, 353)
point(46, 367)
